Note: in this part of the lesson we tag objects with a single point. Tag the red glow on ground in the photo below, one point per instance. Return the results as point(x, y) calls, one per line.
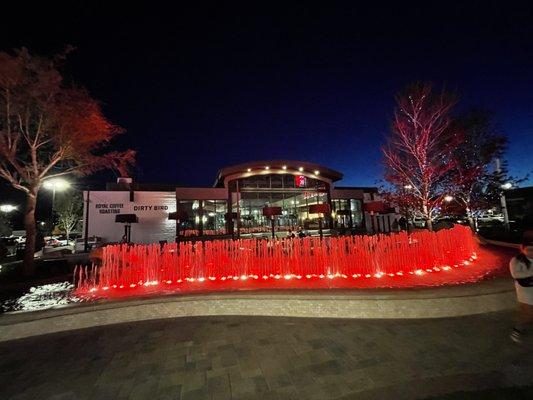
point(385, 261)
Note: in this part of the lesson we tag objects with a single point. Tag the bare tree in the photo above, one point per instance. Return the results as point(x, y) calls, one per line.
point(417, 155)
point(69, 210)
point(48, 128)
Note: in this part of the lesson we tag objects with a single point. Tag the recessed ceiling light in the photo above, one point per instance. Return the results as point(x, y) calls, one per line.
point(317, 172)
point(301, 169)
point(284, 167)
point(249, 170)
point(267, 167)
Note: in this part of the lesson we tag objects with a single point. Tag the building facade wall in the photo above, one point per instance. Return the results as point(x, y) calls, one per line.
point(348, 193)
point(201, 193)
point(151, 208)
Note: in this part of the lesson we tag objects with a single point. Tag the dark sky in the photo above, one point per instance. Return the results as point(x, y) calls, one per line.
point(199, 88)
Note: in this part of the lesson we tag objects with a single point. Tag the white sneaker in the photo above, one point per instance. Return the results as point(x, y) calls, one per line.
point(516, 336)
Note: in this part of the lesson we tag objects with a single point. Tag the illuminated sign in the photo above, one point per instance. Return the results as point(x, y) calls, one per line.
point(300, 181)
point(312, 195)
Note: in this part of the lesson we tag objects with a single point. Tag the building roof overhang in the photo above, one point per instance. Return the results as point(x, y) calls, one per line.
point(288, 166)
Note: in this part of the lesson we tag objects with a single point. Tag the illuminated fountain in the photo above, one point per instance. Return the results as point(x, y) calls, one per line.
point(341, 262)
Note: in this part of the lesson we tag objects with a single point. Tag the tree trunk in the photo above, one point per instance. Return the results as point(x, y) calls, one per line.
point(470, 218)
point(429, 223)
point(31, 230)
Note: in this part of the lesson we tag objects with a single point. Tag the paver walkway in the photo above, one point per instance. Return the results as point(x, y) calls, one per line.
point(267, 358)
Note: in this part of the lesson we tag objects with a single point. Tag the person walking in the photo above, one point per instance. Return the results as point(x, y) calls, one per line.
point(522, 273)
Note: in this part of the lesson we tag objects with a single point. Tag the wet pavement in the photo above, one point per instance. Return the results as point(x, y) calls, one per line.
point(268, 358)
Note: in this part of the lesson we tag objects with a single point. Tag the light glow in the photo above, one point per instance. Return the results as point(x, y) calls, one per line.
point(507, 186)
point(56, 184)
point(7, 208)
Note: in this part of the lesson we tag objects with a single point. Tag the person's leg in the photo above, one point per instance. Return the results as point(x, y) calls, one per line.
point(528, 319)
point(523, 321)
point(525, 317)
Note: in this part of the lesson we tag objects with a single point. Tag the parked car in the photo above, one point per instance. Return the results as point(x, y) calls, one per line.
point(453, 219)
point(61, 240)
point(419, 222)
point(10, 244)
point(52, 242)
point(486, 217)
point(40, 243)
point(92, 242)
point(449, 221)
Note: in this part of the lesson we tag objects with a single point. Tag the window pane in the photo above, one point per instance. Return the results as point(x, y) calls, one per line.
point(190, 227)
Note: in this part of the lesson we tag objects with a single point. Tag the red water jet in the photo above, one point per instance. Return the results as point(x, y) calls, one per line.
point(258, 263)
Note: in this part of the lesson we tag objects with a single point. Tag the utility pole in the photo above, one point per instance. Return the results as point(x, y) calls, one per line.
point(503, 202)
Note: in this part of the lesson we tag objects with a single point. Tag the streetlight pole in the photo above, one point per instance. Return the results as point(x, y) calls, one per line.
point(86, 232)
point(503, 202)
point(53, 198)
point(53, 207)
point(53, 185)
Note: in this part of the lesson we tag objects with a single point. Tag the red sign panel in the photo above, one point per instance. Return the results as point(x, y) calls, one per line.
point(322, 208)
point(300, 181)
point(375, 206)
point(271, 211)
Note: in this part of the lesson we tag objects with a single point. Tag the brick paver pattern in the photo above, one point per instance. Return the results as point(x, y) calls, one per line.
point(267, 358)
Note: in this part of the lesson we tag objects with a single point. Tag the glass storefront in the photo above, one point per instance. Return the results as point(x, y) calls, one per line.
point(347, 213)
point(214, 222)
point(293, 193)
point(204, 217)
point(240, 200)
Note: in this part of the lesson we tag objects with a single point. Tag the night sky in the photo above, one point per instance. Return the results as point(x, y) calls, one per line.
point(210, 86)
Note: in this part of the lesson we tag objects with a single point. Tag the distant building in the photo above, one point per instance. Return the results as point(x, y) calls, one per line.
point(234, 205)
point(520, 207)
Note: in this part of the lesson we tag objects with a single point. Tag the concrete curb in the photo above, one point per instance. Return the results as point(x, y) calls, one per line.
point(502, 244)
point(431, 303)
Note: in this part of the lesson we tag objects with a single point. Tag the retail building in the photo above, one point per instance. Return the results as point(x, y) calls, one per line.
point(243, 201)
